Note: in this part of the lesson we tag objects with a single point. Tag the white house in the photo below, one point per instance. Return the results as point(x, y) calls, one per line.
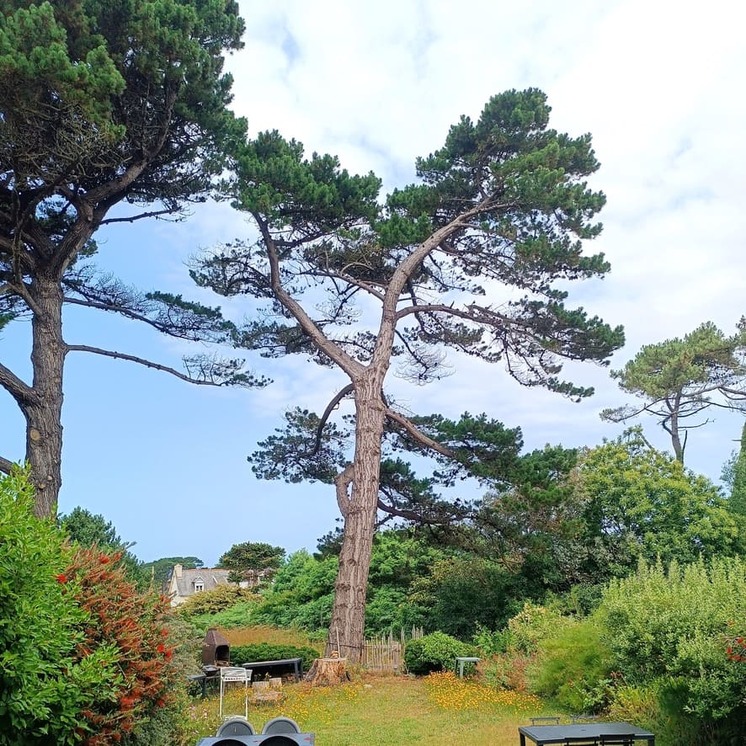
point(182, 583)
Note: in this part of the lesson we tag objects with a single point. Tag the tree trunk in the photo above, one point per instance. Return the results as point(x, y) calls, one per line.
point(678, 446)
point(347, 628)
point(327, 672)
point(43, 414)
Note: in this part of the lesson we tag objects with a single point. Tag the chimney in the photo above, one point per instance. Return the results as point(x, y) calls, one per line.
point(177, 570)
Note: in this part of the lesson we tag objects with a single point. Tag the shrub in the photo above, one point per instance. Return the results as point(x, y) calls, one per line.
point(84, 656)
point(284, 609)
point(507, 671)
point(669, 630)
point(676, 623)
point(129, 628)
point(238, 615)
point(533, 624)
point(460, 593)
point(492, 643)
point(574, 668)
point(434, 652)
point(267, 652)
point(216, 600)
point(301, 595)
point(43, 687)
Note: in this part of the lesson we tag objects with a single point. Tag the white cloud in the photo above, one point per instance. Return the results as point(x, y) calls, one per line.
point(378, 83)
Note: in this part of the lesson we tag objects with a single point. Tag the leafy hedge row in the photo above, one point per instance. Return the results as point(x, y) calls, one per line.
point(267, 652)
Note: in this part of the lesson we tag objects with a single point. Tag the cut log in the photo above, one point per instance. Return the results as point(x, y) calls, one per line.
point(327, 672)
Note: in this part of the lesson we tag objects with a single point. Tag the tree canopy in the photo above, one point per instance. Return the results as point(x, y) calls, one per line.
point(89, 530)
point(103, 105)
point(157, 571)
point(251, 557)
point(641, 503)
point(475, 257)
point(679, 379)
point(738, 494)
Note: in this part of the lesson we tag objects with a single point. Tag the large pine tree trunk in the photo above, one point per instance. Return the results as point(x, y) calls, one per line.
point(44, 412)
point(347, 628)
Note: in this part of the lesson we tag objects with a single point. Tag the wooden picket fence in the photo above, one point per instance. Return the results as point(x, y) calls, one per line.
point(386, 653)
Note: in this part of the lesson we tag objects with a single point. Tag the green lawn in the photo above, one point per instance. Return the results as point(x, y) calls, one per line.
point(434, 711)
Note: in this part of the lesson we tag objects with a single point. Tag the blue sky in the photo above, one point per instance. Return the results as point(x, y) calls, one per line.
point(379, 83)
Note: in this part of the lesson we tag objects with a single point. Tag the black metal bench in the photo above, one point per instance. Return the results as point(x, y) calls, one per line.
point(259, 667)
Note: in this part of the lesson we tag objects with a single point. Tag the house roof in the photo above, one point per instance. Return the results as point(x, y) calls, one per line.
point(210, 578)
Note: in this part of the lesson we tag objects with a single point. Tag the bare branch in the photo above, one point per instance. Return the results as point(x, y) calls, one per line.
point(133, 218)
point(348, 389)
point(144, 362)
point(18, 389)
point(5, 465)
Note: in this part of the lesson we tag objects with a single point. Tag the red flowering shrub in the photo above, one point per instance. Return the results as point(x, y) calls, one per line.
point(42, 687)
point(85, 657)
point(132, 624)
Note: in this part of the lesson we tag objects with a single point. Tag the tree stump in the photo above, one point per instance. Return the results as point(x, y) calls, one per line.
point(327, 672)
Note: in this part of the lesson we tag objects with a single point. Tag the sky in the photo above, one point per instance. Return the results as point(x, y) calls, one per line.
point(379, 84)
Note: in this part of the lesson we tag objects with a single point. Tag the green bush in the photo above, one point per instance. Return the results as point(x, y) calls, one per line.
point(216, 600)
point(675, 623)
point(460, 593)
point(533, 624)
point(239, 615)
point(284, 609)
point(574, 668)
point(668, 630)
point(267, 652)
point(491, 643)
point(435, 652)
point(84, 656)
point(42, 688)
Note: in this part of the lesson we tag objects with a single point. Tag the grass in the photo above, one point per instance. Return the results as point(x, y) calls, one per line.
point(270, 635)
point(436, 710)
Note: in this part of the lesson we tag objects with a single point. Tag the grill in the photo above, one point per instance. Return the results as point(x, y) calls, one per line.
point(215, 649)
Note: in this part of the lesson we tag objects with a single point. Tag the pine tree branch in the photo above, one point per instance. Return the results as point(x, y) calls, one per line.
point(18, 389)
point(5, 465)
point(417, 434)
point(348, 389)
point(144, 362)
point(347, 363)
point(133, 218)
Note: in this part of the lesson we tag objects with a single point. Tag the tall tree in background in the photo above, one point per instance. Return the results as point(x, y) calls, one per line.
point(738, 479)
point(679, 379)
point(467, 258)
point(247, 559)
point(88, 530)
point(102, 104)
point(158, 571)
